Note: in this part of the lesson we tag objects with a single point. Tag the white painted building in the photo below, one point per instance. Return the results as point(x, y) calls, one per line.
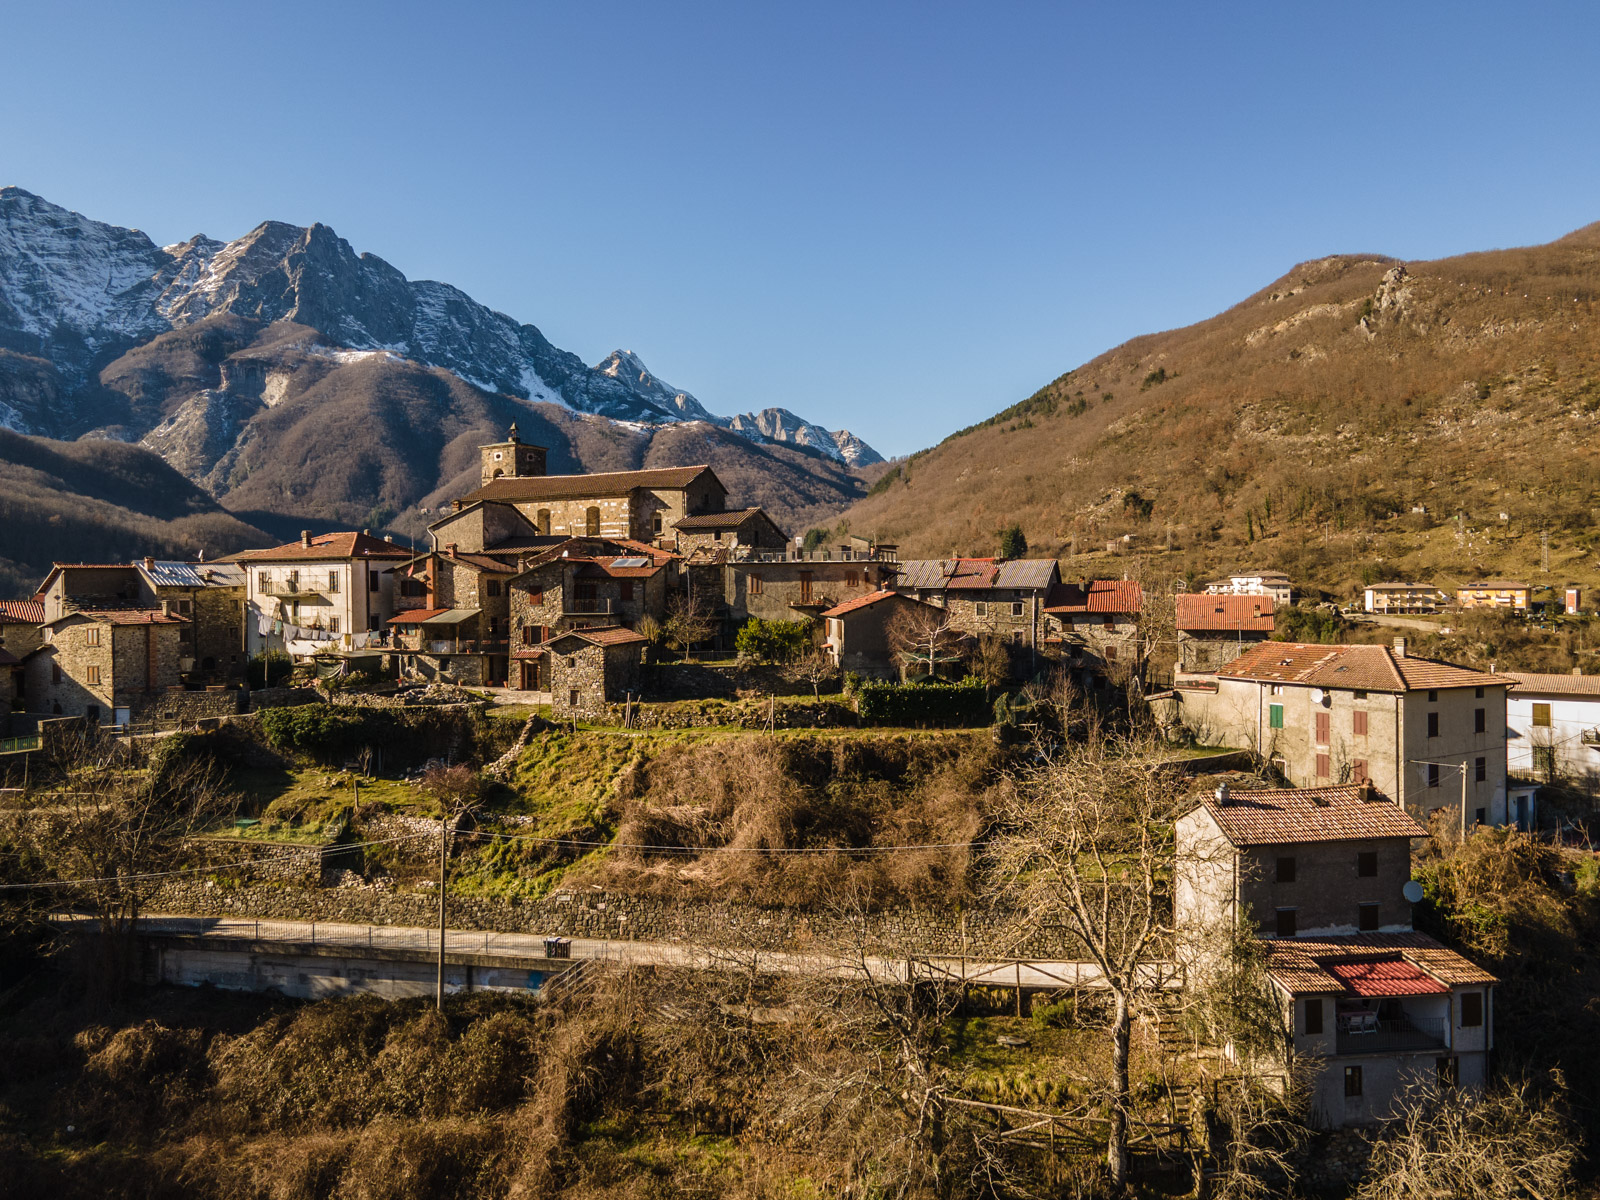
point(1404, 598)
point(1255, 583)
point(333, 589)
point(1553, 728)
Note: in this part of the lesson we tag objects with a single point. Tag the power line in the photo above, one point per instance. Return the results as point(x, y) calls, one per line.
point(559, 841)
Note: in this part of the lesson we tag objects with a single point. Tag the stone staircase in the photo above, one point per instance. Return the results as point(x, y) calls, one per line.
point(506, 761)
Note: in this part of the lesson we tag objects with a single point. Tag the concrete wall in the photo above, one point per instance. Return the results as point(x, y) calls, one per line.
point(1528, 745)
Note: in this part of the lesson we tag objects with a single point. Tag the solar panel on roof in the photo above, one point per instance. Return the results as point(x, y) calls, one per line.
point(630, 562)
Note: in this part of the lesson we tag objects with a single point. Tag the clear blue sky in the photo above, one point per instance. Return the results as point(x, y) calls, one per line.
point(897, 218)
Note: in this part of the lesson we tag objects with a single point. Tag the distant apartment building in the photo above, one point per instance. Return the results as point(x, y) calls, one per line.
point(1494, 593)
point(1404, 598)
point(1553, 730)
point(1255, 583)
point(1429, 734)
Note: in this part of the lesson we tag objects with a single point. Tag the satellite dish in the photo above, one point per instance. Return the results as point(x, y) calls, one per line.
point(1316, 695)
point(1412, 891)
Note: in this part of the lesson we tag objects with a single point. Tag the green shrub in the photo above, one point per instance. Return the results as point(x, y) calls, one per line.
point(923, 704)
point(773, 641)
point(316, 729)
point(270, 668)
point(1062, 1014)
point(1013, 542)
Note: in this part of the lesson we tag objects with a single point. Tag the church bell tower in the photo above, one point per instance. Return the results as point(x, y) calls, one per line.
point(511, 458)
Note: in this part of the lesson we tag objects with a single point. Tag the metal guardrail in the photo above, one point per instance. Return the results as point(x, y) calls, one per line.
point(21, 745)
point(1381, 1037)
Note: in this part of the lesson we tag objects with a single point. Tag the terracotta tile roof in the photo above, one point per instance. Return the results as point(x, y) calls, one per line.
point(977, 574)
point(27, 612)
point(1230, 614)
point(1367, 668)
point(515, 545)
point(1308, 966)
point(1281, 816)
point(1383, 977)
point(1111, 596)
point(329, 545)
point(611, 635)
point(124, 616)
point(578, 487)
point(1560, 685)
point(587, 549)
point(721, 520)
point(416, 616)
point(850, 606)
point(606, 567)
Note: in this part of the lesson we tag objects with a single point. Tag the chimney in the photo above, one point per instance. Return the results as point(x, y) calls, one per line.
point(1224, 797)
point(389, 537)
point(202, 556)
point(305, 538)
point(366, 533)
point(1368, 792)
point(149, 563)
point(450, 549)
point(166, 608)
point(1400, 647)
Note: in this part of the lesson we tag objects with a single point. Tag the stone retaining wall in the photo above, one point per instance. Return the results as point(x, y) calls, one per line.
point(594, 914)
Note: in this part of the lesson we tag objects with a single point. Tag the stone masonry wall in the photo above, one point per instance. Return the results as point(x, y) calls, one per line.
point(595, 914)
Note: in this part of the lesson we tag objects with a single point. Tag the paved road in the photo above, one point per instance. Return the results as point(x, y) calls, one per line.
point(991, 972)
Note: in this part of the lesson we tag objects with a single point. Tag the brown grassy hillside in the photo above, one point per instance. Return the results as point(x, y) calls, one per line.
point(1301, 428)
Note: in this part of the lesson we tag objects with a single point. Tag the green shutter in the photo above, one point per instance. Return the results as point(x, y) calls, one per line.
point(1275, 716)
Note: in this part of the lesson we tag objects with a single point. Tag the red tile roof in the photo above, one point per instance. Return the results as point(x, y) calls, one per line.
point(850, 606)
point(1113, 596)
point(1556, 685)
point(1367, 668)
point(416, 616)
point(1281, 816)
point(27, 612)
point(329, 545)
point(610, 635)
point(1305, 966)
point(576, 487)
point(1383, 977)
point(124, 616)
point(722, 520)
point(1230, 614)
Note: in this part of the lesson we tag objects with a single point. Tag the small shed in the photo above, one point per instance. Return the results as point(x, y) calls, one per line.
point(590, 667)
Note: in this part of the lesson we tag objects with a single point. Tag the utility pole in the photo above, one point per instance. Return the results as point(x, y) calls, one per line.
point(444, 842)
point(1544, 551)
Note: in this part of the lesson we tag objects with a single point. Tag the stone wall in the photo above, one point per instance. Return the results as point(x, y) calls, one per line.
point(595, 914)
point(832, 713)
point(728, 681)
point(184, 706)
point(282, 697)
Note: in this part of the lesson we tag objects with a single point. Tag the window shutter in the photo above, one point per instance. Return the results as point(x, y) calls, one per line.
point(1358, 723)
point(1323, 726)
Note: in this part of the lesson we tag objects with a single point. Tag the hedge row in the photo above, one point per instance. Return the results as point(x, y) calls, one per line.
point(919, 704)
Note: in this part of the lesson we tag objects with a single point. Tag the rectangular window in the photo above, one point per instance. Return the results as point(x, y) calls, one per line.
point(1360, 772)
point(529, 636)
point(626, 589)
point(93, 677)
point(1313, 1015)
point(536, 595)
point(1324, 767)
point(1433, 695)
point(1277, 689)
point(1352, 1082)
point(1286, 870)
point(1367, 918)
point(1471, 1009)
point(1358, 723)
point(1544, 762)
point(1016, 608)
point(492, 587)
point(980, 608)
point(1449, 1067)
point(1433, 775)
point(1285, 927)
point(1110, 623)
point(333, 581)
point(1324, 726)
point(754, 586)
point(1274, 716)
point(333, 624)
point(1541, 716)
point(55, 672)
point(261, 581)
point(1480, 720)
point(572, 698)
point(1480, 769)
point(185, 607)
point(294, 581)
point(1433, 724)
point(1111, 654)
point(805, 587)
point(92, 634)
point(1359, 695)
point(1367, 864)
point(374, 582)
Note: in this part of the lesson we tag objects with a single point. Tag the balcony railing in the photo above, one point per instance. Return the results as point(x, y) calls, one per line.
point(588, 606)
point(1371, 1036)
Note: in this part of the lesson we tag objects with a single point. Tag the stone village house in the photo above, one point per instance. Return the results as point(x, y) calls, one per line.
point(1322, 874)
point(1215, 630)
point(116, 666)
point(1093, 625)
point(589, 668)
point(1430, 734)
point(858, 633)
point(452, 617)
point(335, 589)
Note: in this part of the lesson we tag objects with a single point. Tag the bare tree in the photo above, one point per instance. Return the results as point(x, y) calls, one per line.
point(114, 821)
point(1085, 844)
point(1508, 1143)
point(689, 621)
point(991, 659)
point(926, 634)
point(813, 667)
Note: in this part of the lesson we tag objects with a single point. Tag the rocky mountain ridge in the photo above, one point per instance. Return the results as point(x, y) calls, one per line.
point(75, 293)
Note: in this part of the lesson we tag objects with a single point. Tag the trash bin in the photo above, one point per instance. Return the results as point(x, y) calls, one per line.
point(557, 947)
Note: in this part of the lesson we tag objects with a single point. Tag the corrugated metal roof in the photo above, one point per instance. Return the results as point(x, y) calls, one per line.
point(976, 574)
